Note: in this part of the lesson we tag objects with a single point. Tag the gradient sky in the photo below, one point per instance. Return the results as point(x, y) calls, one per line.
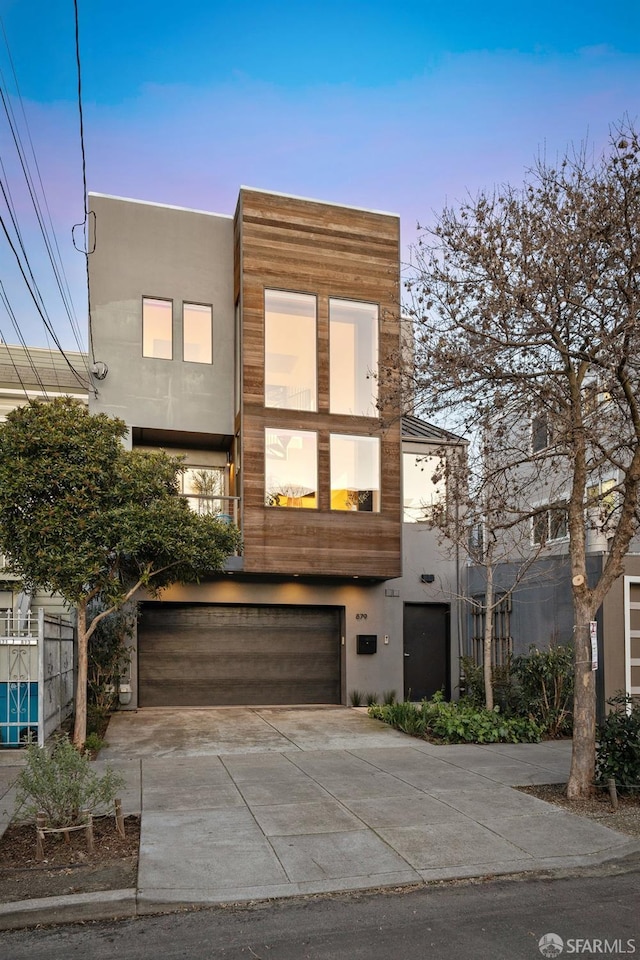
point(392, 106)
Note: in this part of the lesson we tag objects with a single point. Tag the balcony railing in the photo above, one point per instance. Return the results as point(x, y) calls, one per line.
point(223, 508)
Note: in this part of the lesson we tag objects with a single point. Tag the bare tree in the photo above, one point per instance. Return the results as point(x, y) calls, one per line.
point(527, 317)
point(480, 518)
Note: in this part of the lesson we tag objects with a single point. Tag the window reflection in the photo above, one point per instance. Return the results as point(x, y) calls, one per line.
point(290, 350)
point(157, 328)
point(291, 468)
point(420, 491)
point(353, 339)
point(196, 333)
point(355, 473)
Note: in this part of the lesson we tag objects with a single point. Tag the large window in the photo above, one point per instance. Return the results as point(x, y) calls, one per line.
point(157, 328)
point(196, 333)
point(353, 339)
point(290, 350)
point(355, 473)
point(291, 468)
point(423, 486)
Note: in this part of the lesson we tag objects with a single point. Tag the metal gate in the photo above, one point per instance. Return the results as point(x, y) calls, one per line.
point(36, 676)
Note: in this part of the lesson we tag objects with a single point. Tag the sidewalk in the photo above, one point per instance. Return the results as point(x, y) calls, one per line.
point(312, 801)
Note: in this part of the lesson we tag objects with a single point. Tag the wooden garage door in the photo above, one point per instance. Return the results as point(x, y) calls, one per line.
point(221, 655)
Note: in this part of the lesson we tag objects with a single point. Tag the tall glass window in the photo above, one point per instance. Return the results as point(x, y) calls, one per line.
point(204, 489)
point(157, 328)
point(196, 333)
point(290, 379)
point(291, 468)
point(355, 473)
point(353, 338)
point(420, 491)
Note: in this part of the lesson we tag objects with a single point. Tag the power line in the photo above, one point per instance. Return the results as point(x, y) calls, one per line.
point(84, 179)
point(58, 271)
point(16, 327)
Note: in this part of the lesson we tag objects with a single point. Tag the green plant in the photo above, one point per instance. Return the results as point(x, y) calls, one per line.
point(370, 698)
point(109, 657)
point(94, 742)
point(618, 748)
point(459, 722)
point(60, 782)
point(388, 697)
point(544, 688)
point(355, 698)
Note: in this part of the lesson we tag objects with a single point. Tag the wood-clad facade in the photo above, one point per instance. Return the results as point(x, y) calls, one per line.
point(307, 247)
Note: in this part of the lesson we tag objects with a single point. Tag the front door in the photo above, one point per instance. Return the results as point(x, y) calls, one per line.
point(426, 650)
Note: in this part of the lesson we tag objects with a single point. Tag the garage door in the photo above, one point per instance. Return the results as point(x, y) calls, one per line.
point(222, 655)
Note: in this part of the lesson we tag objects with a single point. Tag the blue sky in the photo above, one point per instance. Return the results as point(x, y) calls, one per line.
point(400, 107)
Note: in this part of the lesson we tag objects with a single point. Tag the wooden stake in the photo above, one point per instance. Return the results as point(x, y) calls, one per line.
point(119, 818)
point(89, 833)
point(41, 822)
point(613, 794)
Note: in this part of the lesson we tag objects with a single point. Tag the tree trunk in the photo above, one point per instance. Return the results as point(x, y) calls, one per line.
point(488, 638)
point(583, 755)
point(80, 723)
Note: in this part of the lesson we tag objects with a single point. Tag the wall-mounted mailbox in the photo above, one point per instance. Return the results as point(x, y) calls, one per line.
point(366, 643)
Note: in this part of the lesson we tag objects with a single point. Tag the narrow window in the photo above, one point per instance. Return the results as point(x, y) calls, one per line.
point(355, 473)
point(540, 434)
point(196, 333)
point(353, 338)
point(290, 350)
point(423, 486)
point(291, 468)
point(204, 489)
point(157, 328)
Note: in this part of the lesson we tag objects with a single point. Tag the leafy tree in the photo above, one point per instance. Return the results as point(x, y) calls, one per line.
point(85, 518)
point(527, 317)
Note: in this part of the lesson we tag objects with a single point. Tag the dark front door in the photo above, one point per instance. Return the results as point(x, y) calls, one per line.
point(426, 650)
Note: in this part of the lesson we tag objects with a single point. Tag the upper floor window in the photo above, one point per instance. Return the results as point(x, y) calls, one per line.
point(550, 524)
point(196, 333)
point(290, 378)
point(540, 433)
point(423, 486)
point(353, 340)
point(355, 473)
point(291, 468)
point(157, 328)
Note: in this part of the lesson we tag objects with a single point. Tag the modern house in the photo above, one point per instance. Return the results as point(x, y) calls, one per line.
point(264, 348)
point(538, 610)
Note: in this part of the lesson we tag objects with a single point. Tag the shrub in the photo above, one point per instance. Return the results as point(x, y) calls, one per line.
point(370, 698)
point(356, 697)
point(388, 697)
point(457, 722)
point(618, 750)
point(61, 783)
point(544, 688)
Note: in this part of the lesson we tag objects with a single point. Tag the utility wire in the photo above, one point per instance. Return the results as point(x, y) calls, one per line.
point(84, 179)
point(13, 363)
point(59, 275)
point(16, 326)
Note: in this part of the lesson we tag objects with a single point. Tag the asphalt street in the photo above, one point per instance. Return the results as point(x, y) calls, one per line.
point(501, 919)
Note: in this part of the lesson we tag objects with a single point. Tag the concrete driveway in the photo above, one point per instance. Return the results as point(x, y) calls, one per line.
point(247, 803)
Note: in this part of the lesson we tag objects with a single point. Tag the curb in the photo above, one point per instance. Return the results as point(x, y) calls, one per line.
point(128, 903)
point(103, 905)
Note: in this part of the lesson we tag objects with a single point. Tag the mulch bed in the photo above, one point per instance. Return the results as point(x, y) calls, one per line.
point(68, 867)
point(626, 819)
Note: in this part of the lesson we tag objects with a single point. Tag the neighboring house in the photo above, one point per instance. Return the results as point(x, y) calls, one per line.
point(36, 373)
point(539, 612)
point(259, 347)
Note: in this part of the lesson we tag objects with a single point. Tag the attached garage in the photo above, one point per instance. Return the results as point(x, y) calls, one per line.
point(219, 655)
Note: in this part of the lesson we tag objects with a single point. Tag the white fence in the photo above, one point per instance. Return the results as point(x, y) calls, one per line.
point(36, 676)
